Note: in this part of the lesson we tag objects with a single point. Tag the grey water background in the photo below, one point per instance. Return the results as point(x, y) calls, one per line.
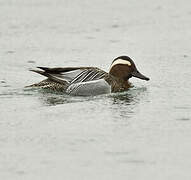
point(144, 133)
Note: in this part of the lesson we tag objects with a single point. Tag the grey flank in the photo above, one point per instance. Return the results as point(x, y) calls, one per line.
point(89, 88)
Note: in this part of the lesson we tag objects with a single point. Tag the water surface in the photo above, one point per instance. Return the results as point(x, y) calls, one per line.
point(143, 133)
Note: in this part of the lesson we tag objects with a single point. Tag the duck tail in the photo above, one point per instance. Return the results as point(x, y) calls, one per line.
point(44, 73)
point(37, 71)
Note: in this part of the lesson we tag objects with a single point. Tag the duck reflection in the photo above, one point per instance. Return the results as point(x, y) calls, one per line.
point(132, 96)
point(52, 99)
point(124, 105)
point(129, 98)
point(124, 98)
point(48, 97)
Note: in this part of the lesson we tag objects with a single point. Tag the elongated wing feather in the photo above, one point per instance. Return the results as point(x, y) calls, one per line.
point(51, 77)
point(89, 75)
point(72, 75)
point(60, 69)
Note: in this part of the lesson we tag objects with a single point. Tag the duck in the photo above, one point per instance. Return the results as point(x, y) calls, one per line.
point(90, 81)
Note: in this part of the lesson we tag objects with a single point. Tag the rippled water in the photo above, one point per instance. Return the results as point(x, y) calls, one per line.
point(143, 133)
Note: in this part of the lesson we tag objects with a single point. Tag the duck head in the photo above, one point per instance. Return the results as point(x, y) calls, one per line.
point(124, 68)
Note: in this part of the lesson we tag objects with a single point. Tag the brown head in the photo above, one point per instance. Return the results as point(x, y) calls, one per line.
point(124, 68)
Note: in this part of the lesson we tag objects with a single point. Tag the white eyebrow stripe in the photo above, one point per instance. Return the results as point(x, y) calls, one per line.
point(120, 61)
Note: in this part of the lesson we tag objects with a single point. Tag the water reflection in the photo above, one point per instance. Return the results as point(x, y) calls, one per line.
point(52, 98)
point(124, 105)
point(124, 98)
point(130, 97)
point(56, 99)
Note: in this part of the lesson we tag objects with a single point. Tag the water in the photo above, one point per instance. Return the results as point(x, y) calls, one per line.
point(140, 134)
